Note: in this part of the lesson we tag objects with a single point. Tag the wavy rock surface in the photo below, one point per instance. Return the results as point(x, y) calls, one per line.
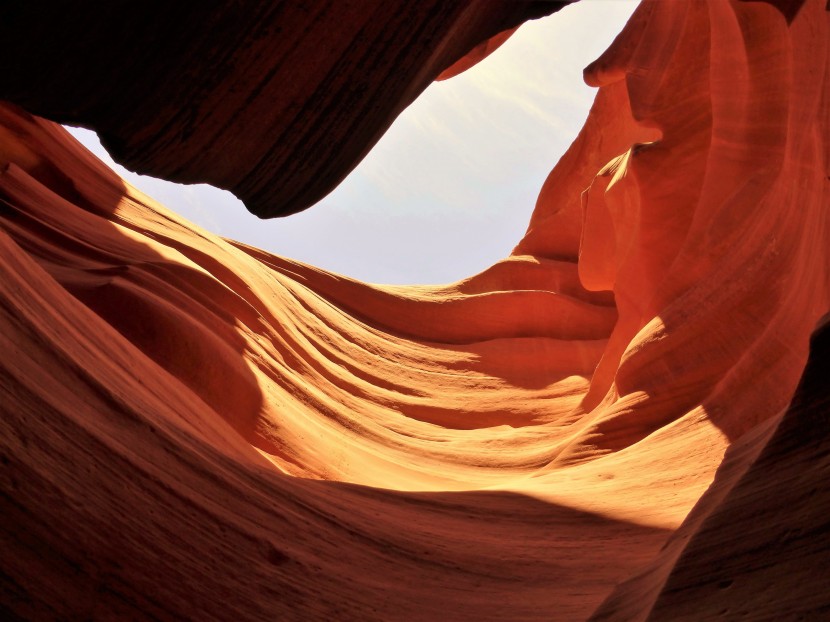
point(602, 425)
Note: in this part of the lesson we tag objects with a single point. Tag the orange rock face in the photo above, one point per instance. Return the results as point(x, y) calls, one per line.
point(613, 423)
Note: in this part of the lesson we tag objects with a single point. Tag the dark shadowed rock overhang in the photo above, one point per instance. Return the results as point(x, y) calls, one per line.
point(276, 102)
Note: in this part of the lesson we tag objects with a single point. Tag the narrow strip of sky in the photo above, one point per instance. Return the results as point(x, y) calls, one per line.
point(450, 187)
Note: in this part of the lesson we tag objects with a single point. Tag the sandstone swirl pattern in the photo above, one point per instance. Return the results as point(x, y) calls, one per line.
point(607, 424)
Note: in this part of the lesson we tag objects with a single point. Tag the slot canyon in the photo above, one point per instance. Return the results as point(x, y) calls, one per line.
point(627, 418)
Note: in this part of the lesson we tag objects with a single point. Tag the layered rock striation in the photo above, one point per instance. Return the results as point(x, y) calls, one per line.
point(623, 420)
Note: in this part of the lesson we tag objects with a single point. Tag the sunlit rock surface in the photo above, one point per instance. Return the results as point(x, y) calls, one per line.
point(613, 423)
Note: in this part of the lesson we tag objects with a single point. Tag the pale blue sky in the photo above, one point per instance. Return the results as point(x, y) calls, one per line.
point(450, 187)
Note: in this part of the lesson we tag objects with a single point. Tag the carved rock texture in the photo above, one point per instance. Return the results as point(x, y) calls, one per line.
point(623, 420)
point(274, 101)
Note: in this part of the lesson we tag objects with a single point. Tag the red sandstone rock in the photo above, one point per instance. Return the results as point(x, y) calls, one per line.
point(476, 55)
point(297, 91)
point(600, 426)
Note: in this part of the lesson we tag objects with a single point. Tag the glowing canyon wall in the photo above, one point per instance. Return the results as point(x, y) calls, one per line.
point(626, 419)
